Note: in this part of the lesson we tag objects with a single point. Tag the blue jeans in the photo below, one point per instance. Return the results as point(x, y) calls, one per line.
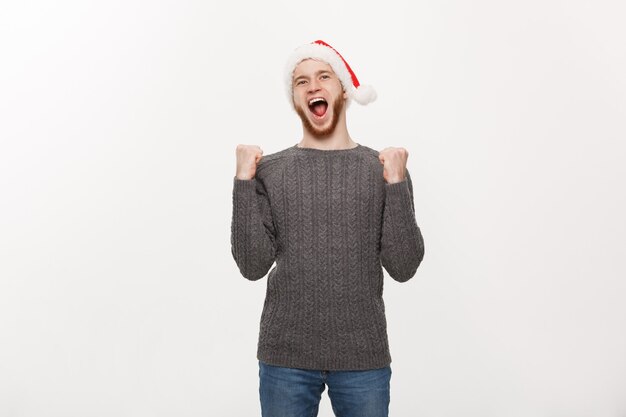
point(293, 392)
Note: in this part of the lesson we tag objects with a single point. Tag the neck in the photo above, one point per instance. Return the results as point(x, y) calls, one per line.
point(338, 139)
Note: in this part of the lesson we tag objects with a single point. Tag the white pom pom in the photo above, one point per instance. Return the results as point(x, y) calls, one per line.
point(365, 94)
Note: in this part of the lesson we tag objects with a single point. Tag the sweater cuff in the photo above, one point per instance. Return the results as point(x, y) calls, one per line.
point(240, 185)
point(399, 193)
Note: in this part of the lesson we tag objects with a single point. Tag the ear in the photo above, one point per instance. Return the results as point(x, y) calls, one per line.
point(345, 95)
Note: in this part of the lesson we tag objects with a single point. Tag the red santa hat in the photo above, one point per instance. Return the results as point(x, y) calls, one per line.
point(321, 51)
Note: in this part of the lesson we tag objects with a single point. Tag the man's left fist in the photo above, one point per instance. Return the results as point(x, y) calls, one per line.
point(394, 163)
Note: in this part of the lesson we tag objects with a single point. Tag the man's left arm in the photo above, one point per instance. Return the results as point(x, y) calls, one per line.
point(402, 244)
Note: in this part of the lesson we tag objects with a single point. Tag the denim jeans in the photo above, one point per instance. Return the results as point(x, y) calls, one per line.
point(293, 392)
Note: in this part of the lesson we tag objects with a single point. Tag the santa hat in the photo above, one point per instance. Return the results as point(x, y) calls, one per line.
point(320, 50)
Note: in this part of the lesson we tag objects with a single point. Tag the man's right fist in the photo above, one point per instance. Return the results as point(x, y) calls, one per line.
point(248, 156)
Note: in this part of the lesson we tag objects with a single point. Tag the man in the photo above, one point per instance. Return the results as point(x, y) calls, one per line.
point(331, 213)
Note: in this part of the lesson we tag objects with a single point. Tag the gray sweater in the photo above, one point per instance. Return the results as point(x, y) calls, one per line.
point(330, 221)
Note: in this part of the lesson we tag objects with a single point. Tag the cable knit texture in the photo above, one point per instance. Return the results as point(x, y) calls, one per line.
point(331, 222)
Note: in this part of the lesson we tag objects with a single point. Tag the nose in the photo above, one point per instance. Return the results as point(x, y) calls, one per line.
point(313, 86)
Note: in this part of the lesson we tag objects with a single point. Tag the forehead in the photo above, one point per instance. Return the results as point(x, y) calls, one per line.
point(310, 66)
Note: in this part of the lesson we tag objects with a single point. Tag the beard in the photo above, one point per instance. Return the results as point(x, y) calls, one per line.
point(338, 104)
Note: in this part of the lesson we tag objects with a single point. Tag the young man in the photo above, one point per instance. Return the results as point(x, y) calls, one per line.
point(331, 213)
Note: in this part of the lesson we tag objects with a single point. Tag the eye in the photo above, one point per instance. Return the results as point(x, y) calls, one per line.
point(300, 82)
point(327, 76)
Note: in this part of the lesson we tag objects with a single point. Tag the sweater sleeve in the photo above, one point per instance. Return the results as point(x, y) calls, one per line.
point(253, 234)
point(402, 245)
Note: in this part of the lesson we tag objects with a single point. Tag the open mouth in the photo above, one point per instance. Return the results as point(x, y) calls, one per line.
point(318, 106)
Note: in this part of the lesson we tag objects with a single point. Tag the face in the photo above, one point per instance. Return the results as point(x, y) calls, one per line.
point(318, 97)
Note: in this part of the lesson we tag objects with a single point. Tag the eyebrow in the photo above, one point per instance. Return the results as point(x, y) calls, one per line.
point(317, 73)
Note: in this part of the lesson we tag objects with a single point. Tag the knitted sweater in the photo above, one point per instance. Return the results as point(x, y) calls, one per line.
point(330, 221)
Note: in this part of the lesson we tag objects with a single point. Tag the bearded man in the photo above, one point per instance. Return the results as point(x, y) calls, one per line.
point(331, 213)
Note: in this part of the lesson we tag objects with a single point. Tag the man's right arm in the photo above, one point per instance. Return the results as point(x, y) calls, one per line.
point(253, 236)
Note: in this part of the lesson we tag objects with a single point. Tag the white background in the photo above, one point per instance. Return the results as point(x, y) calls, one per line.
point(118, 126)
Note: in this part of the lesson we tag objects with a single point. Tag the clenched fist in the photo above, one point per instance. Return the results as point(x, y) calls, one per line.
point(248, 156)
point(394, 161)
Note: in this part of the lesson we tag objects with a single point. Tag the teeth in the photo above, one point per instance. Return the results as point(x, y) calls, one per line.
point(315, 100)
